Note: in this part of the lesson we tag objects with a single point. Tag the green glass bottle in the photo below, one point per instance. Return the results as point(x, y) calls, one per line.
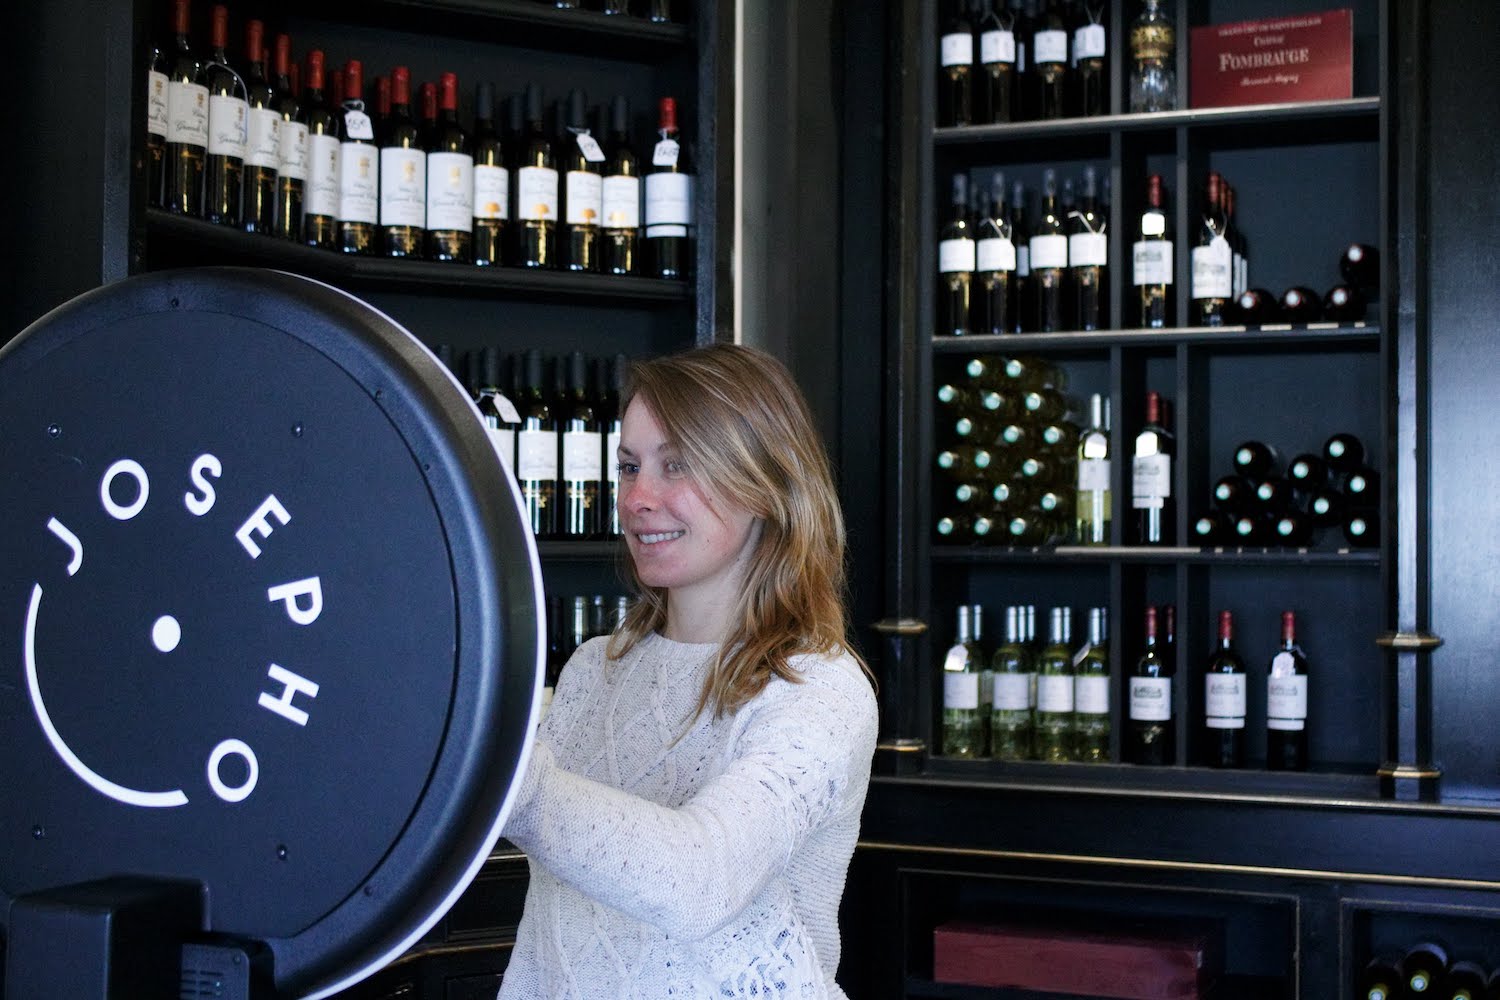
point(963, 716)
point(1054, 691)
point(1091, 692)
point(1011, 725)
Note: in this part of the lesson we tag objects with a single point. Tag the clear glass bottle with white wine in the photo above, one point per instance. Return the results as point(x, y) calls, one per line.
point(1091, 692)
point(1093, 504)
point(1054, 691)
point(964, 715)
point(1012, 729)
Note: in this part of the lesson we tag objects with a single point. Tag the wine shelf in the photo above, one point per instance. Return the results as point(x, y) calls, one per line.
point(1278, 335)
point(1225, 988)
point(1167, 555)
point(195, 241)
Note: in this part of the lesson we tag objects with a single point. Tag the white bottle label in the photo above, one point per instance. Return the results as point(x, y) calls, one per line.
point(1023, 260)
point(1153, 262)
point(403, 187)
point(1088, 42)
point(1286, 694)
point(589, 147)
point(504, 440)
point(323, 156)
point(997, 47)
point(996, 254)
point(1049, 251)
point(536, 194)
point(1091, 695)
point(585, 198)
point(491, 192)
point(228, 126)
point(1212, 267)
point(1054, 693)
point(1093, 474)
point(665, 153)
point(622, 202)
point(1012, 692)
point(536, 455)
point(1150, 480)
point(960, 690)
point(450, 192)
point(187, 113)
point(611, 456)
point(359, 183)
point(669, 204)
point(357, 125)
point(1087, 249)
point(1049, 47)
point(1151, 699)
point(1224, 701)
point(156, 103)
point(291, 151)
point(583, 455)
point(956, 255)
point(264, 148)
point(957, 49)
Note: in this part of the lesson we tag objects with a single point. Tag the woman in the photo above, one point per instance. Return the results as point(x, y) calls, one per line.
point(693, 797)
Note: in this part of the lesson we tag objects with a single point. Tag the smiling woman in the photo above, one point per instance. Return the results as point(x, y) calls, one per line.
point(694, 795)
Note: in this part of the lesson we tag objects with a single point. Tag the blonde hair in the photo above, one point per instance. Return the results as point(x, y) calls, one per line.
point(737, 417)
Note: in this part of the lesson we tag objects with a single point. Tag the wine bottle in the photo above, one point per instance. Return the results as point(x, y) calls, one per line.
point(1044, 404)
point(403, 175)
point(1088, 258)
point(1301, 305)
point(359, 168)
point(582, 454)
point(1362, 486)
point(1466, 981)
point(619, 369)
point(966, 529)
point(1257, 307)
point(1286, 702)
point(228, 128)
point(963, 716)
point(965, 463)
point(616, 7)
point(993, 100)
point(955, 66)
point(450, 182)
point(1343, 452)
point(156, 126)
point(1091, 692)
point(1256, 460)
point(1090, 41)
point(1344, 304)
point(536, 190)
point(1239, 260)
point(491, 181)
point(187, 119)
point(320, 218)
point(427, 97)
point(1049, 58)
point(1359, 265)
point(1380, 979)
point(1213, 259)
point(957, 258)
point(380, 118)
point(1214, 527)
point(1022, 307)
point(1023, 90)
point(291, 146)
point(1424, 969)
point(263, 148)
point(1292, 528)
point(501, 418)
point(1049, 260)
point(995, 260)
point(1307, 472)
point(1361, 529)
point(1150, 735)
point(1151, 477)
point(1054, 691)
point(1256, 528)
point(537, 449)
point(1224, 700)
point(1234, 495)
point(669, 200)
point(1152, 259)
point(1153, 56)
point(621, 194)
point(1011, 726)
point(583, 185)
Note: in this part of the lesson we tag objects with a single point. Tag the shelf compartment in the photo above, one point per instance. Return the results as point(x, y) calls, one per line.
point(1169, 555)
point(1277, 335)
point(174, 240)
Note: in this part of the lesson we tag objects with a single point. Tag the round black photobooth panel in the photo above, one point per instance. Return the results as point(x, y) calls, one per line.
point(269, 613)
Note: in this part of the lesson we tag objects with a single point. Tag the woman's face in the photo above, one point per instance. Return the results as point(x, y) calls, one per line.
point(682, 538)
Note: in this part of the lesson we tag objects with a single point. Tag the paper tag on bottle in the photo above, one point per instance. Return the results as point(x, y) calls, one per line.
point(957, 49)
point(665, 153)
point(589, 147)
point(508, 411)
point(997, 47)
point(1049, 47)
point(357, 125)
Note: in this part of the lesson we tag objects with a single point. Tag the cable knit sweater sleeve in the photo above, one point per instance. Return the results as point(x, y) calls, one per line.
point(689, 870)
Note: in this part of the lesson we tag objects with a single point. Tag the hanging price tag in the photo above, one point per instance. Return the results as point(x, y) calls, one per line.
point(665, 153)
point(589, 147)
point(357, 125)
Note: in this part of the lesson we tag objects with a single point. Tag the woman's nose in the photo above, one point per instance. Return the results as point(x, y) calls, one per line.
point(637, 494)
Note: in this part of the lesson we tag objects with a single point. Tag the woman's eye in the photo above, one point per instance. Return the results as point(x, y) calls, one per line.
point(676, 469)
point(625, 468)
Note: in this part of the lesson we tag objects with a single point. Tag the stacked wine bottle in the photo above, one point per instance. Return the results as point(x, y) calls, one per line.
point(1261, 504)
point(1426, 970)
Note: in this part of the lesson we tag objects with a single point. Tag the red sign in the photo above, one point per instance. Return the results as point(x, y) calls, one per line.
point(1304, 57)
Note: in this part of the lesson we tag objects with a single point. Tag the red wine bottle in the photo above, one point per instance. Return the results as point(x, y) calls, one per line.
point(403, 175)
point(1286, 702)
point(1362, 487)
point(621, 196)
point(583, 186)
point(1150, 735)
point(1344, 304)
point(1213, 527)
point(1361, 529)
point(1152, 259)
point(1466, 981)
point(1343, 452)
point(491, 181)
point(536, 189)
point(1380, 979)
point(1234, 495)
point(1151, 477)
point(1325, 507)
point(1213, 258)
point(187, 119)
point(263, 148)
point(228, 129)
point(156, 126)
point(1424, 969)
point(1307, 472)
point(450, 181)
point(291, 146)
point(1292, 528)
point(1360, 266)
point(321, 208)
point(1224, 700)
point(1256, 460)
point(359, 168)
point(1257, 307)
point(582, 454)
point(669, 199)
point(1301, 305)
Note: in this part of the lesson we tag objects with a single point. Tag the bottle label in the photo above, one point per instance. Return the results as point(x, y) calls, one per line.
point(1150, 480)
point(665, 153)
point(264, 147)
point(1286, 702)
point(536, 194)
point(1023, 260)
point(1153, 262)
point(357, 125)
point(1012, 692)
point(504, 440)
point(997, 47)
point(611, 456)
point(669, 204)
point(957, 49)
point(1211, 270)
point(1089, 42)
point(996, 254)
point(156, 103)
point(622, 202)
point(1049, 251)
point(450, 192)
point(1088, 249)
point(585, 198)
point(1093, 474)
point(187, 113)
point(1049, 47)
point(583, 455)
point(1151, 699)
point(228, 126)
point(403, 187)
point(960, 691)
point(1091, 695)
point(1224, 701)
point(491, 192)
point(359, 183)
point(291, 151)
point(536, 455)
point(1054, 693)
point(323, 156)
point(955, 256)
point(589, 147)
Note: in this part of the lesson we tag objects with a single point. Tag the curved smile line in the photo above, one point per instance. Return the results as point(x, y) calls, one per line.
point(661, 536)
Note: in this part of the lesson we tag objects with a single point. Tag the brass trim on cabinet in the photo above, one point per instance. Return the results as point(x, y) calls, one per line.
point(900, 626)
point(1431, 881)
point(1409, 642)
point(1407, 771)
point(905, 744)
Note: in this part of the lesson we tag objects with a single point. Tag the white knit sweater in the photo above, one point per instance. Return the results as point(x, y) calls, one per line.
point(706, 866)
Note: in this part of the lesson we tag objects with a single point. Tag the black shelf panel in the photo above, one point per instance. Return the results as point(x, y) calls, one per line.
point(1263, 118)
point(1226, 987)
point(976, 555)
point(587, 551)
point(180, 240)
point(1278, 336)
